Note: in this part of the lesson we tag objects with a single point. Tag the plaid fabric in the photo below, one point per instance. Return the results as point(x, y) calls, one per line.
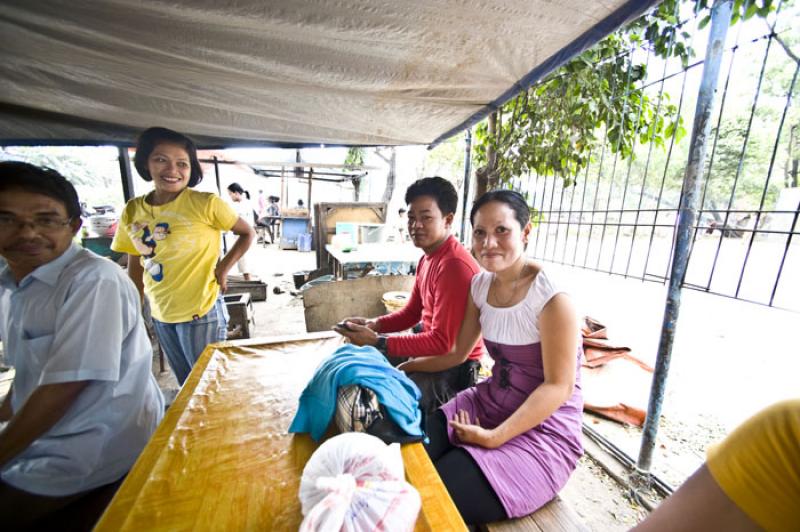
point(357, 408)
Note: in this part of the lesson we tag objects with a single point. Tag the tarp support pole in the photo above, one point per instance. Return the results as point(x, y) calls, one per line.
point(125, 173)
point(687, 214)
point(467, 172)
point(308, 205)
point(219, 193)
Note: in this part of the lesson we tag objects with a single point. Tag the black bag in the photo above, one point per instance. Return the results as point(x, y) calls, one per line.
point(358, 410)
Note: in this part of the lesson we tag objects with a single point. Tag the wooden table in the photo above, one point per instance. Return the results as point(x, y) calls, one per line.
point(222, 458)
point(372, 254)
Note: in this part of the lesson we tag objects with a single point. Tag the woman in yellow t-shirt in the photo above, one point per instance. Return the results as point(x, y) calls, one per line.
point(750, 481)
point(172, 238)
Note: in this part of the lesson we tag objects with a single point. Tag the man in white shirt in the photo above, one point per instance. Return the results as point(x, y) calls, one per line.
point(84, 402)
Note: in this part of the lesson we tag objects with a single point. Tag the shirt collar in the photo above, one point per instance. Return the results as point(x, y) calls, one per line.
point(46, 273)
point(446, 243)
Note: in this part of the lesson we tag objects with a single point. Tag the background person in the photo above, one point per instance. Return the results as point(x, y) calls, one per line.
point(513, 440)
point(243, 207)
point(270, 220)
point(438, 299)
point(400, 231)
point(83, 402)
point(172, 236)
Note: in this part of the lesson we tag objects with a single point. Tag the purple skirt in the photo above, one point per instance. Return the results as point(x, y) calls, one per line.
point(529, 470)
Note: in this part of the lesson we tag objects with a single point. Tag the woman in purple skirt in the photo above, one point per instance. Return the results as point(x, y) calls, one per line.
point(506, 447)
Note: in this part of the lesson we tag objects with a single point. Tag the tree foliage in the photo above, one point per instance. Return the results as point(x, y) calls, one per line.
point(557, 126)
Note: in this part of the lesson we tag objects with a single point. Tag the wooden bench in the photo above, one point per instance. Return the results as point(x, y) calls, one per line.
point(222, 458)
point(555, 516)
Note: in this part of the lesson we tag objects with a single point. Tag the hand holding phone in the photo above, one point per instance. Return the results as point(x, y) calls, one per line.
point(343, 325)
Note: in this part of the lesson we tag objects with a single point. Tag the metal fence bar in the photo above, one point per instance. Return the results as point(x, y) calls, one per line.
point(785, 252)
point(547, 220)
point(746, 141)
point(710, 174)
point(583, 202)
point(769, 175)
point(630, 163)
point(741, 161)
point(594, 198)
point(560, 211)
point(575, 218)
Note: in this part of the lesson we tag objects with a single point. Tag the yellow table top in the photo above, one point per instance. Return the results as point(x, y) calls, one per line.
point(222, 458)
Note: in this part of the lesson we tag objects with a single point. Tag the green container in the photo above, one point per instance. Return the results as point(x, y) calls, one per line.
point(102, 246)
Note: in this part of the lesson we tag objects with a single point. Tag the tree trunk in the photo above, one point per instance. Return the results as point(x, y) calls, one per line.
point(356, 188)
point(391, 178)
point(483, 175)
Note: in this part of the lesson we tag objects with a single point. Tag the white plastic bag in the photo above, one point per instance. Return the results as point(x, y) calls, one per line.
point(355, 483)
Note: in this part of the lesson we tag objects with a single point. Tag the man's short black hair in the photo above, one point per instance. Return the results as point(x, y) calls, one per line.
point(152, 137)
point(440, 189)
point(39, 180)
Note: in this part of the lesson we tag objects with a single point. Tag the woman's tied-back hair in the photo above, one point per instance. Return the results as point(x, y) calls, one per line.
point(152, 137)
point(236, 187)
point(440, 189)
point(512, 198)
point(38, 180)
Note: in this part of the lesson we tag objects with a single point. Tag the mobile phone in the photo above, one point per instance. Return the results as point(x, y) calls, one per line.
point(343, 325)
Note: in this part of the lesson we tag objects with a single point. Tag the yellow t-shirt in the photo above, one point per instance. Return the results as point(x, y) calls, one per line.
point(179, 244)
point(758, 466)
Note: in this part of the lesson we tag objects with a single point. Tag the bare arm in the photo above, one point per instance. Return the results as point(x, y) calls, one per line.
point(246, 235)
point(467, 337)
point(43, 409)
point(136, 273)
point(699, 504)
point(559, 338)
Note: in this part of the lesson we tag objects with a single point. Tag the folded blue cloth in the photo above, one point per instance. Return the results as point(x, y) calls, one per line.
point(366, 366)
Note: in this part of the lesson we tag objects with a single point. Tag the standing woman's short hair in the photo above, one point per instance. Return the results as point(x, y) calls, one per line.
point(152, 137)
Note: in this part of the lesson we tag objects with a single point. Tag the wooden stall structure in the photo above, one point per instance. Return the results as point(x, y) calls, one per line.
point(327, 214)
point(329, 303)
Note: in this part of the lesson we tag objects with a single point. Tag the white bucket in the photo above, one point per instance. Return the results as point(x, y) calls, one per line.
point(395, 300)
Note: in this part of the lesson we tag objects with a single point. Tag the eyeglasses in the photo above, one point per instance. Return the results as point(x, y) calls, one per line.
point(505, 369)
point(41, 224)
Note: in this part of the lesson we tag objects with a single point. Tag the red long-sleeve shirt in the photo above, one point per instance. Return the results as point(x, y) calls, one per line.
point(439, 300)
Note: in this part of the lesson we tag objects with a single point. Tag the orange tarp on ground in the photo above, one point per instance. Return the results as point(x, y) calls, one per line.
point(615, 383)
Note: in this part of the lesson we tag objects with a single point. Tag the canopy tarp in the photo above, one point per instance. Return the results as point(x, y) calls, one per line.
point(282, 72)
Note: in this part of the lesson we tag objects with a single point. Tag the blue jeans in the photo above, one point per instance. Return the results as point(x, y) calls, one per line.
point(184, 342)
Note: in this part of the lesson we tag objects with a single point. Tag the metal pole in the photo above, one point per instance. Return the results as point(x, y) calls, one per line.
point(467, 172)
point(219, 192)
point(687, 213)
point(125, 173)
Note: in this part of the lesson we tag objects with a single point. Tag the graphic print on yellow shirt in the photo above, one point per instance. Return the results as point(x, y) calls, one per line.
point(146, 241)
point(179, 245)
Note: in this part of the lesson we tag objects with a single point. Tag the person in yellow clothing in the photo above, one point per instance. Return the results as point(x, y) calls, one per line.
point(750, 481)
point(172, 238)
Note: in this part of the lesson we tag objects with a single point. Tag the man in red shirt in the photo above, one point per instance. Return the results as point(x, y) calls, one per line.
point(438, 301)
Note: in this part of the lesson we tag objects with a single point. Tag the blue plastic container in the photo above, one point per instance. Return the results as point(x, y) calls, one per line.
point(304, 242)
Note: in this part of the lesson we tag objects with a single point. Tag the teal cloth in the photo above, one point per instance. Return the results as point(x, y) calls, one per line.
point(350, 365)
